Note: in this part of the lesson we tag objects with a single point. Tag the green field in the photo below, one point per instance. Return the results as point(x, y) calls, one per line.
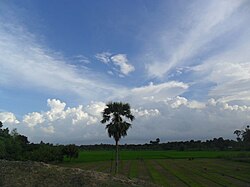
point(91, 156)
point(172, 168)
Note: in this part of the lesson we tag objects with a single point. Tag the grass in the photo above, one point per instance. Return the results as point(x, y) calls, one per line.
point(93, 156)
point(173, 168)
point(156, 176)
point(133, 170)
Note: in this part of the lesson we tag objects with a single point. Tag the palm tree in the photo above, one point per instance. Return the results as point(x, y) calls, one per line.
point(117, 127)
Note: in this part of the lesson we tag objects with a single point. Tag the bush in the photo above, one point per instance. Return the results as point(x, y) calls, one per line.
point(71, 151)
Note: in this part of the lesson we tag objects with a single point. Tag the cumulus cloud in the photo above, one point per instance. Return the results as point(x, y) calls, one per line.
point(8, 118)
point(178, 101)
point(48, 130)
point(176, 118)
point(32, 119)
point(95, 108)
point(138, 113)
point(205, 44)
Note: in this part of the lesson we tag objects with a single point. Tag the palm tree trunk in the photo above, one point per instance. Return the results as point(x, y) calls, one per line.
point(116, 161)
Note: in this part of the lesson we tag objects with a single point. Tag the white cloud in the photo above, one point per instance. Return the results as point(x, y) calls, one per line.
point(160, 109)
point(48, 130)
point(8, 117)
point(27, 64)
point(178, 102)
point(229, 71)
point(119, 60)
point(141, 113)
point(205, 24)
point(95, 108)
point(56, 109)
point(174, 118)
point(32, 119)
point(82, 59)
point(103, 57)
point(122, 61)
point(160, 91)
point(56, 105)
point(213, 43)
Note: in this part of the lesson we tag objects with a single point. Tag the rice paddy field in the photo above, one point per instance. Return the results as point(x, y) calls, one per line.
point(172, 168)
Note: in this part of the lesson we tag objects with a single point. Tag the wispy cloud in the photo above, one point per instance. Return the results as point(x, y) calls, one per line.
point(82, 59)
point(206, 22)
point(103, 57)
point(25, 63)
point(120, 62)
point(161, 91)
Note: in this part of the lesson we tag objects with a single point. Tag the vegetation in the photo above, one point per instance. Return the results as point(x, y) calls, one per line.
point(117, 127)
point(19, 174)
point(243, 135)
point(179, 172)
point(71, 151)
point(216, 144)
point(215, 162)
point(14, 146)
point(94, 156)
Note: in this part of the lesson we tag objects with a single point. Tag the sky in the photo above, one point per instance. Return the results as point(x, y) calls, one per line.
point(183, 66)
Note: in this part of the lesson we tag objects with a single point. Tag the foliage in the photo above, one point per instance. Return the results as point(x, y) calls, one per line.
point(157, 141)
point(113, 114)
point(46, 153)
point(117, 127)
point(71, 151)
point(14, 146)
point(243, 136)
point(246, 134)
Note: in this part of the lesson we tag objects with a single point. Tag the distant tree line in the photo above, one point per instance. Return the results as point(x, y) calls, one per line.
point(14, 146)
point(192, 145)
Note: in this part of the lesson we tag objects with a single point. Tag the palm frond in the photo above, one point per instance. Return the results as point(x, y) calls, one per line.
point(113, 113)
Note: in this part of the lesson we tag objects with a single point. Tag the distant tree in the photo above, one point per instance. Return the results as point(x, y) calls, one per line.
point(238, 133)
point(157, 141)
point(246, 134)
point(243, 135)
point(117, 127)
point(4, 132)
point(71, 151)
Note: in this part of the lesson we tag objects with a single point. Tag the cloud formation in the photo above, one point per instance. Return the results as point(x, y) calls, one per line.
point(203, 27)
point(8, 118)
point(160, 91)
point(174, 118)
point(195, 85)
point(119, 61)
point(27, 64)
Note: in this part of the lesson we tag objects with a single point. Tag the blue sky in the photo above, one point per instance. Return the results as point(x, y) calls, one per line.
point(184, 66)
